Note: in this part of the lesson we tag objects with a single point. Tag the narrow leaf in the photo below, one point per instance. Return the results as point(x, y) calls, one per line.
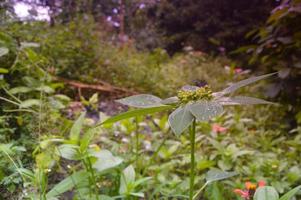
point(180, 119)
point(217, 175)
point(141, 101)
point(245, 82)
point(242, 100)
point(77, 127)
point(266, 193)
point(291, 193)
point(67, 184)
point(20, 89)
point(204, 110)
point(135, 113)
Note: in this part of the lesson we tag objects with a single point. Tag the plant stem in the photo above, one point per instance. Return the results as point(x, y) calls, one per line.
point(137, 141)
point(192, 159)
point(93, 177)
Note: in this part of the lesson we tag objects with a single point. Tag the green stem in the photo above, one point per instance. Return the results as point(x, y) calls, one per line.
point(192, 159)
point(137, 140)
point(93, 177)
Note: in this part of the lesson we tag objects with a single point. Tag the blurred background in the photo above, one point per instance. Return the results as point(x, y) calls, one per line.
point(83, 54)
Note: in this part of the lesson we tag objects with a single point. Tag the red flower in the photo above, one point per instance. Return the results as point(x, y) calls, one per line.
point(249, 190)
point(218, 129)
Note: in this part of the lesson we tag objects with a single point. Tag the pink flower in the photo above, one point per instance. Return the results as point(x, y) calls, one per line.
point(238, 70)
point(218, 129)
point(242, 193)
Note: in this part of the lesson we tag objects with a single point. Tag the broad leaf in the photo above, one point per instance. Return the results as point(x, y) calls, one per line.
point(266, 193)
point(127, 177)
point(105, 160)
point(180, 119)
point(205, 110)
point(3, 51)
point(141, 101)
point(291, 193)
point(170, 100)
point(77, 127)
point(242, 100)
point(217, 175)
point(68, 151)
point(67, 184)
point(29, 103)
point(245, 82)
point(135, 113)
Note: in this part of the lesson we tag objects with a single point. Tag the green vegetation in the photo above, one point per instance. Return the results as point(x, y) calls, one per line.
point(118, 100)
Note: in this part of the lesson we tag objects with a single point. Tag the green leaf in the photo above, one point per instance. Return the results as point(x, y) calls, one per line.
point(127, 177)
point(29, 45)
point(20, 89)
point(67, 184)
point(180, 119)
point(3, 71)
point(266, 193)
point(204, 110)
point(45, 89)
point(141, 101)
point(135, 113)
point(170, 100)
point(77, 127)
point(105, 160)
point(3, 51)
point(87, 137)
point(245, 82)
point(217, 175)
point(291, 193)
point(29, 103)
point(242, 100)
point(68, 151)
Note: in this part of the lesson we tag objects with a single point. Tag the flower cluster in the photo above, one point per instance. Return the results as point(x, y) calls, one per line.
point(249, 190)
point(202, 93)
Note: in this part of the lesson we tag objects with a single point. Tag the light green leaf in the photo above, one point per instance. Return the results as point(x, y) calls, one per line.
point(245, 82)
point(266, 193)
point(170, 100)
point(45, 89)
point(217, 175)
point(77, 127)
point(3, 51)
point(127, 177)
point(3, 71)
point(105, 160)
point(291, 193)
point(68, 151)
point(87, 137)
point(67, 184)
point(30, 103)
point(29, 44)
point(135, 113)
point(20, 89)
point(242, 100)
point(204, 110)
point(141, 101)
point(180, 119)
